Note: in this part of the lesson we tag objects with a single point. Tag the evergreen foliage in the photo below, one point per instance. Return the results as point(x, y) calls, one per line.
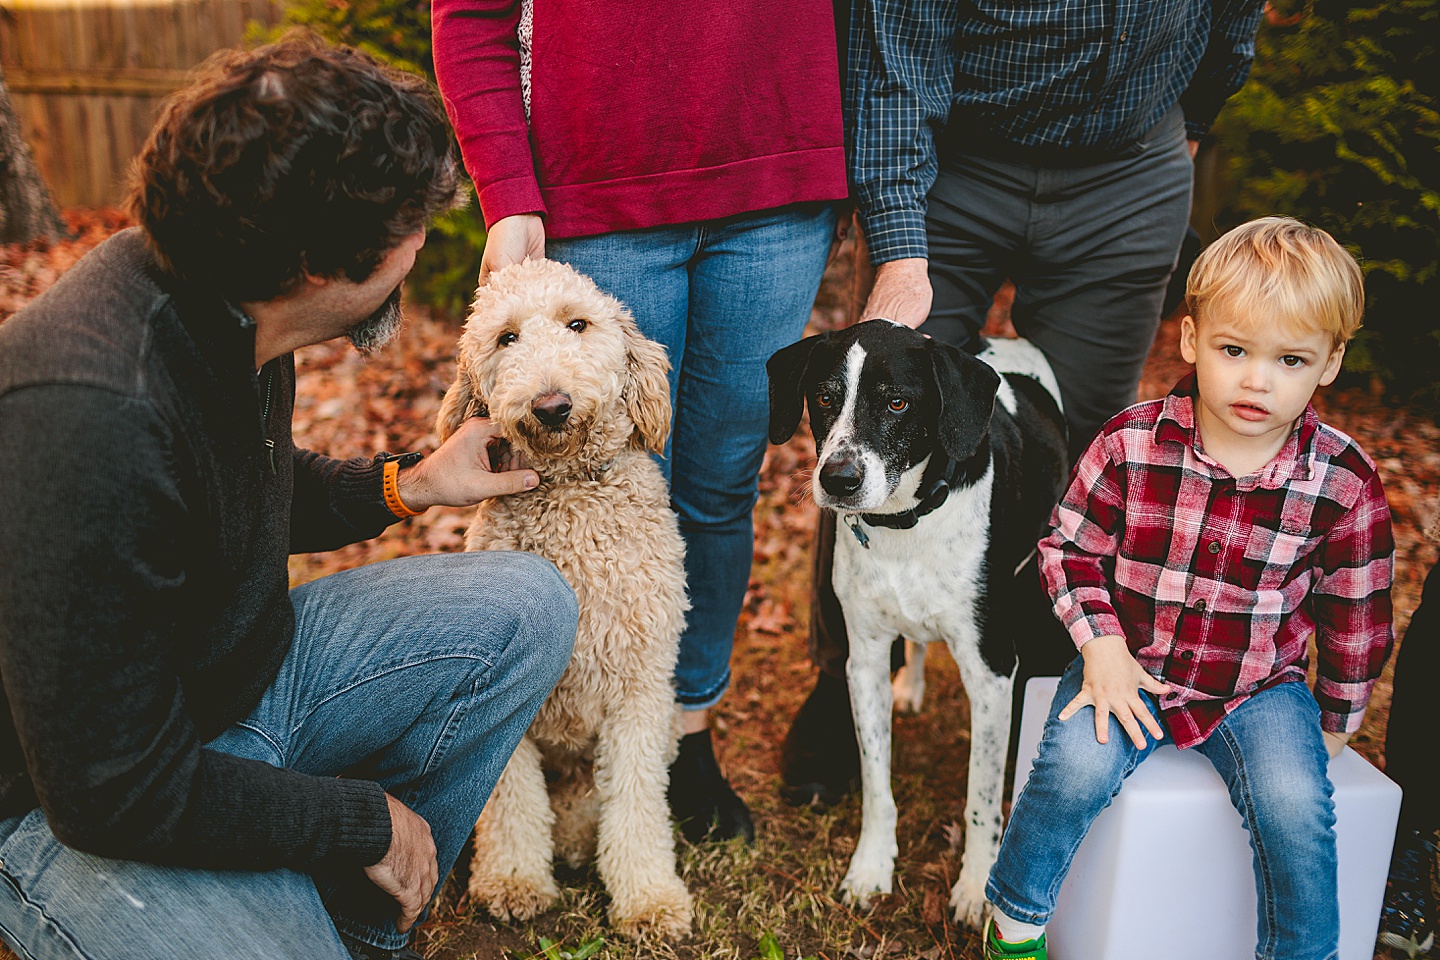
point(1339, 126)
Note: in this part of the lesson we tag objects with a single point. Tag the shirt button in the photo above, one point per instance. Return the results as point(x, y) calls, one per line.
point(1187, 655)
point(1124, 35)
point(1214, 546)
point(1200, 606)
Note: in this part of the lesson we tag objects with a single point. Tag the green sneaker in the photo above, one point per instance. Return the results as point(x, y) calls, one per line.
point(997, 949)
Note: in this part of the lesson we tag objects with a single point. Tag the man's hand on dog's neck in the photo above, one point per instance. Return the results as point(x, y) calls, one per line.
point(901, 292)
point(461, 473)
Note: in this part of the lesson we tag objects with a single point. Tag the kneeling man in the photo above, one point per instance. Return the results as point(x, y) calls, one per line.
point(195, 760)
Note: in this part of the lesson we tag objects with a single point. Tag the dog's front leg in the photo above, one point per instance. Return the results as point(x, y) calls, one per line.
point(868, 672)
point(989, 696)
point(636, 844)
point(511, 873)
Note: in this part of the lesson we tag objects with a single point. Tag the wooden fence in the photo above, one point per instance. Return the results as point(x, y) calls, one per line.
point(87, 76)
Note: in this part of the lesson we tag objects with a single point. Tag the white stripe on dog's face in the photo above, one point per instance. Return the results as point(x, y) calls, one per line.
point(844, 440)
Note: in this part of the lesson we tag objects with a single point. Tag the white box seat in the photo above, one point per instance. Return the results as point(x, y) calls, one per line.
point(1174, 811)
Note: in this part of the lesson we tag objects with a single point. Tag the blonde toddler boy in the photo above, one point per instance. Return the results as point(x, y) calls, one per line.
point(1203, 539)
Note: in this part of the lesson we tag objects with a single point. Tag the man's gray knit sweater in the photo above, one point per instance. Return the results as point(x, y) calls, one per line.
point(149, 497)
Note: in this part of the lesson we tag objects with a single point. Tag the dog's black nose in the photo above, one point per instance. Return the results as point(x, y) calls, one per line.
point(840, 476)
point(553, 409)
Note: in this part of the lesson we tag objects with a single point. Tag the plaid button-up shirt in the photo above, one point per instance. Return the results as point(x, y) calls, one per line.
point(1216, 583)
point(1091, 73)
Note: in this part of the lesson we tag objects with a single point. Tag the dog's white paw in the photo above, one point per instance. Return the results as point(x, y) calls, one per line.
point(967, 897)
point(512, 897)
point(662, 908)
point(867, 877)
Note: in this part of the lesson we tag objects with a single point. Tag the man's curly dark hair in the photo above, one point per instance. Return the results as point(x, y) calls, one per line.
point(294, 158)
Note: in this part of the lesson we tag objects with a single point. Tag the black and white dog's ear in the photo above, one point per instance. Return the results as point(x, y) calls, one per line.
point(787, 386)
point(967, 399)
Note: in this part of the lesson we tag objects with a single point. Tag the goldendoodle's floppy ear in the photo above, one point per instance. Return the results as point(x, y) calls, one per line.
point(647, 388)
point(786, 368)
point(459, 405)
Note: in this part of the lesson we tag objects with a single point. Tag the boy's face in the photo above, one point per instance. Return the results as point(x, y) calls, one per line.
point(1254, 379)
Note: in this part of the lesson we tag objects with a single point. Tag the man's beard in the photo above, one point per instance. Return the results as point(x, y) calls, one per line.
point(380, 328)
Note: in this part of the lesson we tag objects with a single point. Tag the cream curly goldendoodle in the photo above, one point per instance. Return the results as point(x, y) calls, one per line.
point(563, 369)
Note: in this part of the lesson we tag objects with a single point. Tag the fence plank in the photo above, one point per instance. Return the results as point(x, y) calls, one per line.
point(87, 77)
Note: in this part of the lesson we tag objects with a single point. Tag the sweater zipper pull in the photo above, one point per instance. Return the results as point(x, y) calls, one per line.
point(265, 424)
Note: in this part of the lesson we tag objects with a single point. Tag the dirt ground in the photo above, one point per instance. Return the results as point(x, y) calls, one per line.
point(777, 899)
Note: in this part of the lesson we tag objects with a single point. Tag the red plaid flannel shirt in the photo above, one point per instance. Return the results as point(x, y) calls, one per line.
point(1217, 583)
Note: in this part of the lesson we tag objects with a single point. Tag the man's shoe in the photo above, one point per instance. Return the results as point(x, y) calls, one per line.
point(819, 758)
point(1407, 920)
point(997, 949)
point(701, 799)
point(360, 950)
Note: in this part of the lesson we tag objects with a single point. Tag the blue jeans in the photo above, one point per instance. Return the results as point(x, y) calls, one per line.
point(420, 673)
point(722, 296)
point(1271, 756)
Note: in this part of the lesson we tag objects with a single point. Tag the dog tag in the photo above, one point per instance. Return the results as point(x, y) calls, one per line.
point(860, 535)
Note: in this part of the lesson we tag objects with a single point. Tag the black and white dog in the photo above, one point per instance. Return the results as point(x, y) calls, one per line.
point(942, 469)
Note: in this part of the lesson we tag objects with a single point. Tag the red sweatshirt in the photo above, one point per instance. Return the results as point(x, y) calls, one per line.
point(643, 113)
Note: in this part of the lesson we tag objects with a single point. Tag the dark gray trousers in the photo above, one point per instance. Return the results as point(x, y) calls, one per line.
point(1089, 247)
point(1089, 243)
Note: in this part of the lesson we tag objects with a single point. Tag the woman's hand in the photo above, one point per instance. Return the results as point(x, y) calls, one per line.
point(512, 240)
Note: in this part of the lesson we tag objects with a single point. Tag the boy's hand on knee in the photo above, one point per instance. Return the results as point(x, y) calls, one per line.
point(408, 871)
point(1334, 742)
point(1113, 681)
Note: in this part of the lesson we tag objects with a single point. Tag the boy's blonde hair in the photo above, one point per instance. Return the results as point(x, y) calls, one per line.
point(1276, 269)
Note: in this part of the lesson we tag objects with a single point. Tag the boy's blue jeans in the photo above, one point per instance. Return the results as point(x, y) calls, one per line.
point(420, 673)
point(722, 296)
point(1271, 756)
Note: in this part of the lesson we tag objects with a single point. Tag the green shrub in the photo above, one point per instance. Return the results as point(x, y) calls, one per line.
point(1338, 126)
point(398, 32)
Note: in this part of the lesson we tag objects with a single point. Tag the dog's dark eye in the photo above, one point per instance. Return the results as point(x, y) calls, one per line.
point(578, 324)
point(507, 338)
point(899, 404)
point(823, 399)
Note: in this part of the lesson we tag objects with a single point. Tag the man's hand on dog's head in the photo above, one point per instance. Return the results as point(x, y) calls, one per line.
point(901, 293)
point(475, 463)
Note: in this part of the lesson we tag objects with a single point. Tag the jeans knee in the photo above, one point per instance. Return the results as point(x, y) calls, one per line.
point(1286, 805)
point(1074, 767)
point(1086, 787)
point(548, 611)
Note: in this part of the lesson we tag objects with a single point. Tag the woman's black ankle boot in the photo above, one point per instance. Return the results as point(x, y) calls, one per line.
point(701, 798)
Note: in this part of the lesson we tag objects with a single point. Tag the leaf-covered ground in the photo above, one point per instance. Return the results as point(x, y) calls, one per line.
point(778, 898)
